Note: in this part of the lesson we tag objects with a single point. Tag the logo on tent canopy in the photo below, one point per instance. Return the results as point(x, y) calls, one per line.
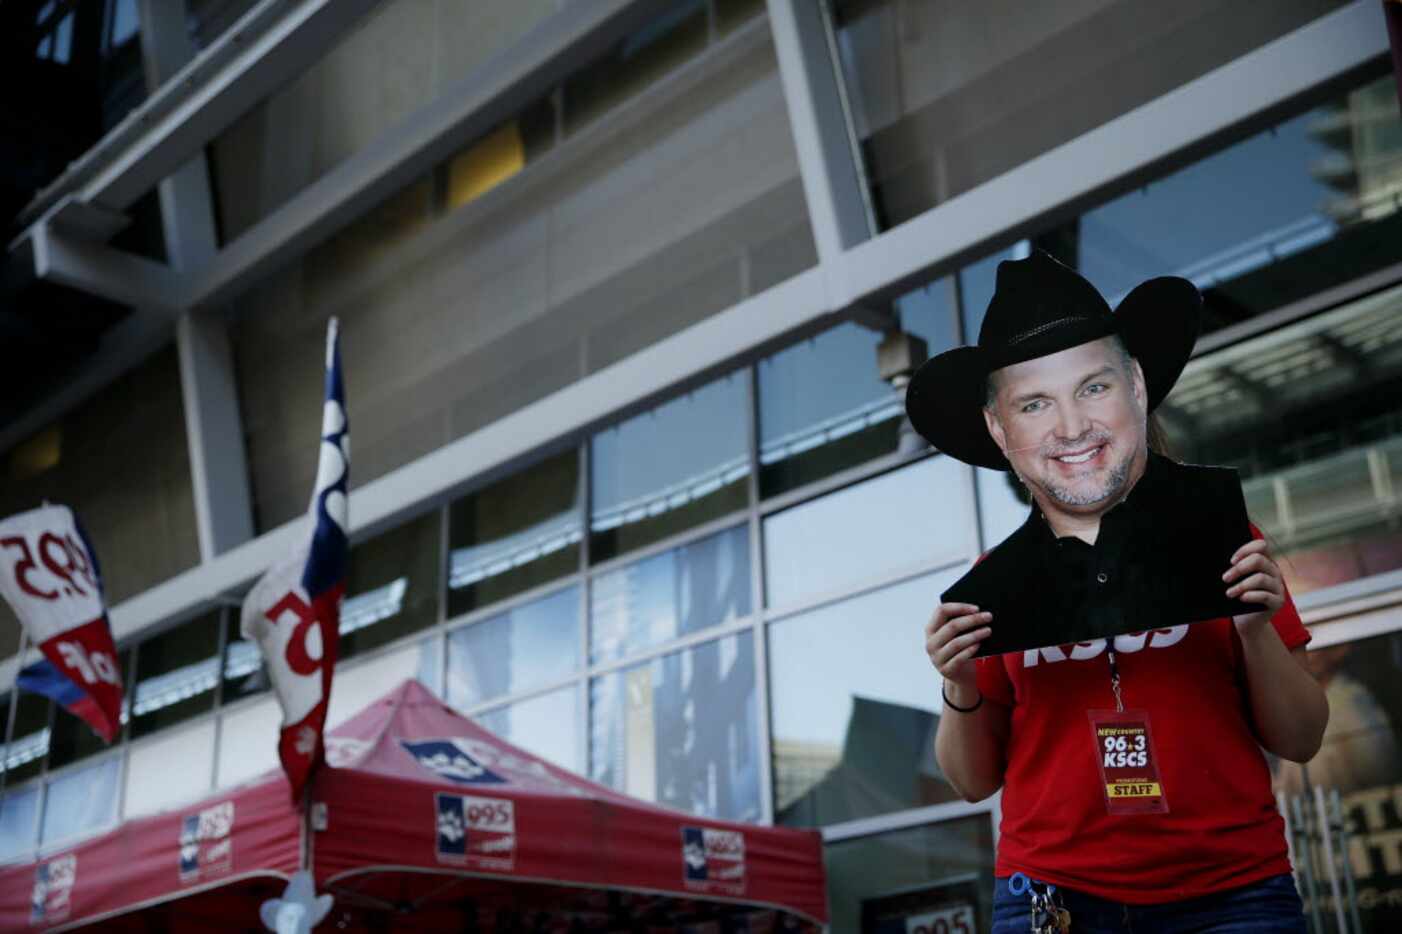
point(206, 842)
point(53, 889)
point(475, 831)
point(713, 860)
point(447, 758)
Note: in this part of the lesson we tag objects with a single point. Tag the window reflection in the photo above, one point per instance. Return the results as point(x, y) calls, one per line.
point(176, 674)
point(919, 515)
point(1360, 763)
point(687, 589)
point(527, 646)
point(681, 730)
point(24, 757)
point(81, 801)
point(823, 407)
point(669, 469)
point(392, 586)
point(18, 822)
point(515, 534)
point(854, 731)
point(895, 880)
point(547, 726)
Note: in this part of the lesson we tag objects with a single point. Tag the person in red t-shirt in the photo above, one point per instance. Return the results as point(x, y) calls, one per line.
point(1059, 390)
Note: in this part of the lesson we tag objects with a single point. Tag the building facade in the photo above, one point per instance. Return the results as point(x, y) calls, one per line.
point(629, 486)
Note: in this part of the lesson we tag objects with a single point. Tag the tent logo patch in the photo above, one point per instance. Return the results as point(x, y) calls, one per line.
point(447, 759)
point(713, 860)
point(474, 831)
point(53, 889)
point(206, 842)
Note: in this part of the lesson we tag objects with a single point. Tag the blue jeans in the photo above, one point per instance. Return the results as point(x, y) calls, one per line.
point(1271, 905)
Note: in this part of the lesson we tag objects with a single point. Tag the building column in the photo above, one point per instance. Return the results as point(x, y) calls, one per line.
point(834, 181)
point(213, 424)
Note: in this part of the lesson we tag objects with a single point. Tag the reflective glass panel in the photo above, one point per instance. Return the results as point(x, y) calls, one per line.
point(82, 801)
point(248, 740)
point(1358, 771)
point(392, 589)
point(19, 816)
point(823, 407)
point(945, 96)
point(176, 675)
point(527, 646)
point(515, 534)
point(853, 731)
point(547, 725)
point(919, 515)
point(934, 878)
point(684, 590)
point(24, 757)
point(1308, 204)
point(244, 671)
point(154, 780)
point(1311, 414)
point(359, 685)
point(669, 469)
point(681, 730)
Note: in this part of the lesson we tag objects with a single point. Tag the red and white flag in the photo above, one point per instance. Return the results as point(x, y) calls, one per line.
point(293, 613)
point(49, 576)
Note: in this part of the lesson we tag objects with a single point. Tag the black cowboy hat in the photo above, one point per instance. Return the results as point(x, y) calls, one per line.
point(1041, 307)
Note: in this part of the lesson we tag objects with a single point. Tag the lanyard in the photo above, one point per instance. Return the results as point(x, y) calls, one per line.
point(1115, 681)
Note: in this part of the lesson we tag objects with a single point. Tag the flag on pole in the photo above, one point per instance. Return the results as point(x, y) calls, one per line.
point(50, 577)
point(293, 613)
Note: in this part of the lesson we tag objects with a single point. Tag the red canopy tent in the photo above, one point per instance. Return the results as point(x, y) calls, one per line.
point(426, 821)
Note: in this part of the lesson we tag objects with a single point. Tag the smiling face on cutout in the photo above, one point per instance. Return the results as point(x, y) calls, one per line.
point(1073, 426)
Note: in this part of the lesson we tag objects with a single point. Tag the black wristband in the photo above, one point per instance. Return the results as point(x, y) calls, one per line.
point(953, 706)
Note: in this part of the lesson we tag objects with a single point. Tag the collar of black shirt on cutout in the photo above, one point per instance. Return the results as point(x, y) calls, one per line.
point(1157, 562)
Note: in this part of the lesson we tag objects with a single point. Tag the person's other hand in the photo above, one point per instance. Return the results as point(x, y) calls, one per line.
point(1257, 580)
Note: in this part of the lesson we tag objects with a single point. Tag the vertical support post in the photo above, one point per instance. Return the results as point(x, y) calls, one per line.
point(213, 425)
point(833, 179)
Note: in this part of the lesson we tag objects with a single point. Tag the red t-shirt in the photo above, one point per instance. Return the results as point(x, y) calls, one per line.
point(1222, 829)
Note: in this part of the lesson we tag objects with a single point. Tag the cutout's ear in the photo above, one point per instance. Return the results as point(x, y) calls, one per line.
point(995, 428)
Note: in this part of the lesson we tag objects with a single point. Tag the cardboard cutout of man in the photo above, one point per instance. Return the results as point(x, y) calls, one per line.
point(1131, 765)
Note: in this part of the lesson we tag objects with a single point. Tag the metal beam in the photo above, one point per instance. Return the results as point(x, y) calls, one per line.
point(267, 47)
point(113, 274)
point(491, 93)
point(834, 181)
point(213, 424)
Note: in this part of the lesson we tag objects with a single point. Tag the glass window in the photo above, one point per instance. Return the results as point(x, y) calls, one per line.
point(912, 880)
point(517, 533)
point(169, 770)
point(176, 674)
point(124, 22)
point(244, 671)
point(635, 62)
point(248, 739)
point(681, 730)
point(19, 814)
point(392, 588)
point(854, 731)
point(680, 591)
point(1308, 204)
point(82, 801)
point(24, 757)
point(1312, 417)
point(946, 96)
point(669, 469)
point(500, 154)
point(547, 725)
point(823, 407)
point(1359, 771)
point(527, 646)
point(919, 515)
point(357, 686)
point(732, 14)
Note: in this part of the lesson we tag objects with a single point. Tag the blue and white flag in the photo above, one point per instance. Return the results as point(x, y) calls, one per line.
point(293, 613)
